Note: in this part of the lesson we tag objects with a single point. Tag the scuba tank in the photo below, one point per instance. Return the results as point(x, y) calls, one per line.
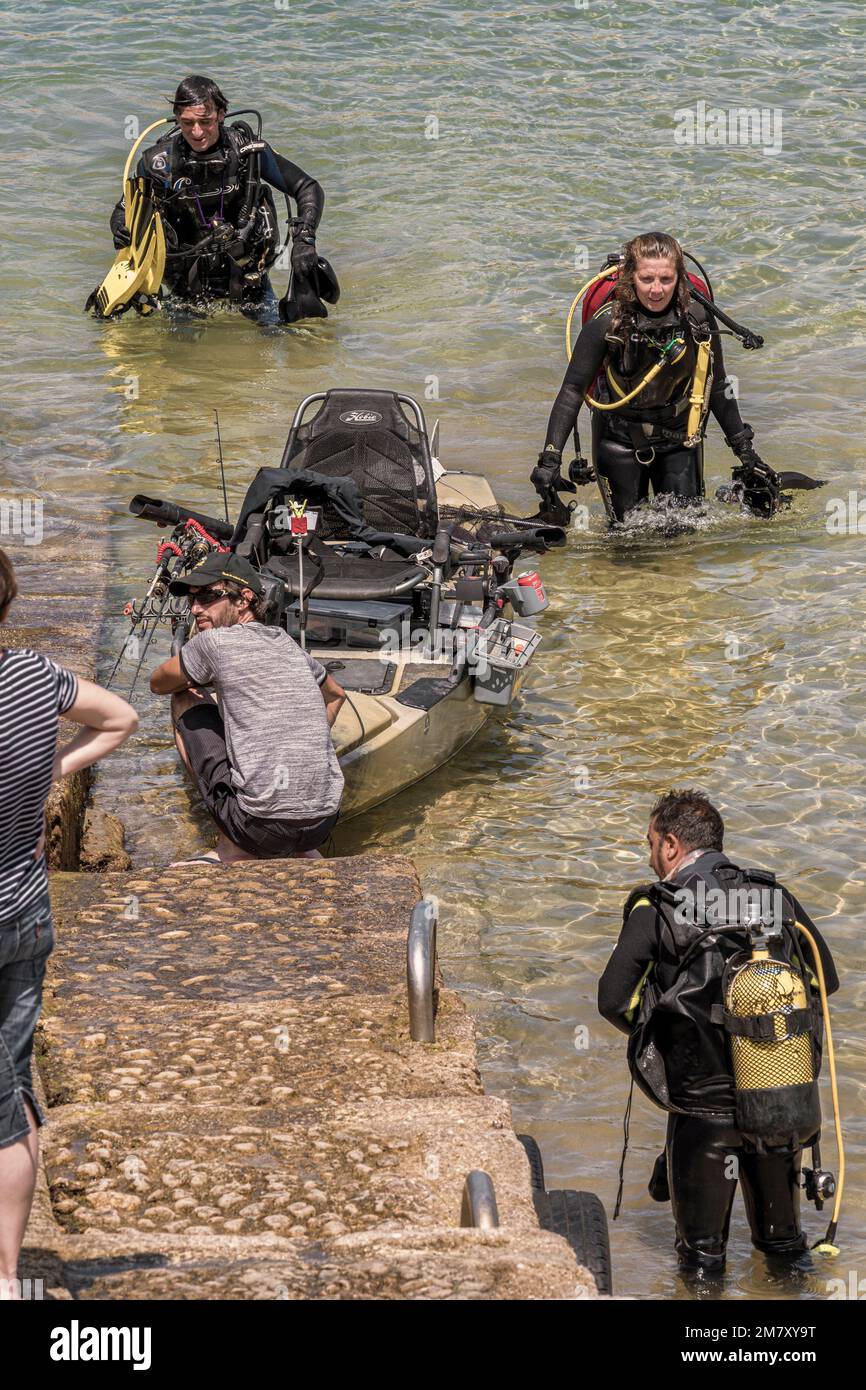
point(599, 288)
point(769, 1015)
point(768, 1018)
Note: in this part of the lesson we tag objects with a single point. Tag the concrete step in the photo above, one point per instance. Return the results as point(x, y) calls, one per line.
point(298, 930)
point(306, 1173)
point(434, 1263)
point(296, 1055)
point(236, 1109)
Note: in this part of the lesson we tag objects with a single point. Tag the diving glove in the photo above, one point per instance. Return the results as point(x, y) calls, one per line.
point(753, 483)
point(757, 485)
point(304, 253)
point(546, 477)
point(580, 471)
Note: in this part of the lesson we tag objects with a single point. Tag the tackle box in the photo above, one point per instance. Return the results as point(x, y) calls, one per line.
point(349, 623)
point(501, 652)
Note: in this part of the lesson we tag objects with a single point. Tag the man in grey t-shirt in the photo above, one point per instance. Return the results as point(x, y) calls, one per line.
point(264, 760)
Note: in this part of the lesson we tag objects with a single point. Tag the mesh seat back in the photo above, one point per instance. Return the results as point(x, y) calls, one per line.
point(365, 436)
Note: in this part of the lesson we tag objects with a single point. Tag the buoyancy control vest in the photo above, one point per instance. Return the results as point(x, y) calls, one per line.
point(707, 994)
point(660, 412)
point(220, 220)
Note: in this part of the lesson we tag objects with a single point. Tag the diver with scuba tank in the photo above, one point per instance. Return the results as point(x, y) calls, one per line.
point(721, 982)
point(198, 216)
point(648, 363)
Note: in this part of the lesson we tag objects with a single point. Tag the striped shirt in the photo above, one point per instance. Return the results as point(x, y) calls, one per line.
point(33, 692)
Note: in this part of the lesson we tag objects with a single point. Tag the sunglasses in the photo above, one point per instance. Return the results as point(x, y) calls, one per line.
point(205, 598)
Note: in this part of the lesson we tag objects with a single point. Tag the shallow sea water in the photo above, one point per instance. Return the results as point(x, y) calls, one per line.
point(731, 659)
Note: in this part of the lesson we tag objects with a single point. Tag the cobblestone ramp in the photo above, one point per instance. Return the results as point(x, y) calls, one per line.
point(237, 1110)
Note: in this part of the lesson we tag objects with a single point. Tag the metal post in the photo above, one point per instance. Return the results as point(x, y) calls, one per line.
point(479, 1202)
point(421, 970)
point(302, 611)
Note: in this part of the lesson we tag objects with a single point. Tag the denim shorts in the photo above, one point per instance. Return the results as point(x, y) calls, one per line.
point(26, 943)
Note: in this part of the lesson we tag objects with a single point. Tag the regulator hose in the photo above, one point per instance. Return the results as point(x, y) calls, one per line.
point(827, 1246)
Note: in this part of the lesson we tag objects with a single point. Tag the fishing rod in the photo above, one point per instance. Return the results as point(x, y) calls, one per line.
point(193, 537)
point(142, 611)
point(190, 543)
point(216, 416)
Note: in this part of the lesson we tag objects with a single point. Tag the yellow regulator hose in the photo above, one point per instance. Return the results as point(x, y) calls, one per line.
point(826, 1246)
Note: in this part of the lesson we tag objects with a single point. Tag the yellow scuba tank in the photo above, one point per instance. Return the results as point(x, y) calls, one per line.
point(768, 1019)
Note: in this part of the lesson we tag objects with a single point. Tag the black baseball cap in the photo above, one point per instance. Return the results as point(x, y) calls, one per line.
point(219, 565)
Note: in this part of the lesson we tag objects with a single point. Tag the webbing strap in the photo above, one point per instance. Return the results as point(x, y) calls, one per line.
point(762, 1027)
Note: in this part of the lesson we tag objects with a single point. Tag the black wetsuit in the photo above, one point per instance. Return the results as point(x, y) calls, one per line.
point(202, 199)
point(653, 427)
point(702, 1138)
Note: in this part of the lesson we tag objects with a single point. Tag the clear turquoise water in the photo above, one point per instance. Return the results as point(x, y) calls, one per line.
point(458, 259)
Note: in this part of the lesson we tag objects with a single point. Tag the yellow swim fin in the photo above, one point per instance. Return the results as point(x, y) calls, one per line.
point(139, 267)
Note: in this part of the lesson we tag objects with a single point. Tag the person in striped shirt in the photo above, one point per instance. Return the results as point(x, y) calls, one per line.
point(34, 690)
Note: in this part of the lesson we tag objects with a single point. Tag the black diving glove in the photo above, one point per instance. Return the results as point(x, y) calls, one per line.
point(580, 471)
point(753, 482)
point(758, 484)
point(122, 237)
point(304, 253)
point(546, 477)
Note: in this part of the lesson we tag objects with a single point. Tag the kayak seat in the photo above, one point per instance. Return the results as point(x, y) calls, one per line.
point(360, 438)
point(341, 576)
point(366, 436)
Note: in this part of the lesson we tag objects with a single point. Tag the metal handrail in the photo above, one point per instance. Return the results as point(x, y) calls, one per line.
point(479, 1202)
point(421, 970)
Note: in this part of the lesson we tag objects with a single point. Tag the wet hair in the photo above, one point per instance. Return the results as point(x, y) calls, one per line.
point(258, 602)
point(648, 246)
point(198, 91)
point(690, 816)
point(8, 585)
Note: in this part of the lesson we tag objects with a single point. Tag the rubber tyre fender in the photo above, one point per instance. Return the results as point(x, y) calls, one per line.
point(580, 1218)
point(536, 1165)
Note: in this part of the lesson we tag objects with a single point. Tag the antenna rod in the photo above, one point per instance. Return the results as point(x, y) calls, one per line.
point(216, 416)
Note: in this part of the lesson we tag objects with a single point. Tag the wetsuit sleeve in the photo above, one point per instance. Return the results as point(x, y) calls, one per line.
point(587, 360)
point(831, 978)
point(288, 178)
point(723, 402)
point(117, 222)
point(118, 219)
point(634, 954)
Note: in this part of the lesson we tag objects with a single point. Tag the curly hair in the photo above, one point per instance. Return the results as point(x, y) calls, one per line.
point(690, 816)
point(647, 246)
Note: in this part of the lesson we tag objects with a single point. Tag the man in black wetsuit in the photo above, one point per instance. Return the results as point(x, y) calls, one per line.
point(220, 222)
point(650, 318)
point(685, 838)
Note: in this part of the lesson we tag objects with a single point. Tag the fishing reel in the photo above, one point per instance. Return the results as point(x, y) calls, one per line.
point(195, 553)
